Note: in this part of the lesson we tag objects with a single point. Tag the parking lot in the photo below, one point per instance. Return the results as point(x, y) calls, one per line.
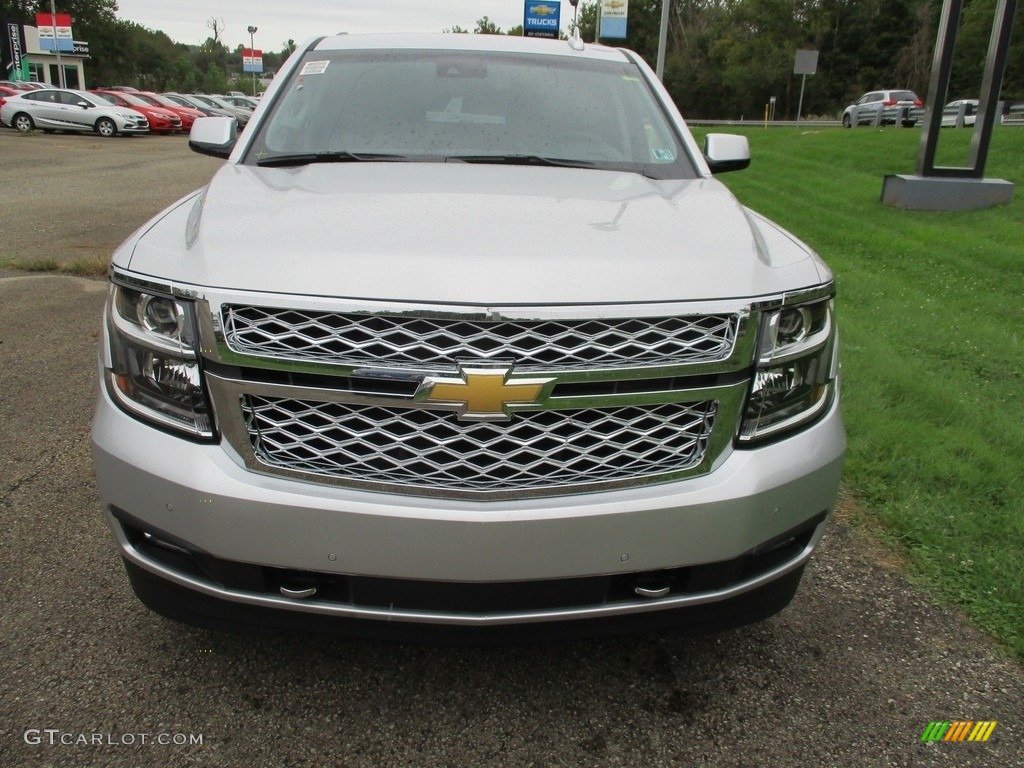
point(851, 674)
point(76, 196)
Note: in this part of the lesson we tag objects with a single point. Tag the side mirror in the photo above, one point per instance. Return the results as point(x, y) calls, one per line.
point(214, 136)
point(85, 105)
point(726, 152)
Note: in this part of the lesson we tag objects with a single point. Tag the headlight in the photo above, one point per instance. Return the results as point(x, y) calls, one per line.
point(154, 371)
point(796, 370)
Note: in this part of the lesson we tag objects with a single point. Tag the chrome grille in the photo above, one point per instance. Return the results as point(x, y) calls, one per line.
point(414, 448)
point(420, 342)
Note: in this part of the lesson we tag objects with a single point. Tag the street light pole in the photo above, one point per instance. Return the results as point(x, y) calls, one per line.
point(252, 57)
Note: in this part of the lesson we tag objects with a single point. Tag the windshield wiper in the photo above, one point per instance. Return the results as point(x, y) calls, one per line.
point(308, 158)
point(556, 162)
point(520, 160)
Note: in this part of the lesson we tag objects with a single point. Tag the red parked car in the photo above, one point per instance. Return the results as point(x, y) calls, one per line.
point(187, 114)
point(160, 120)
point(5, 91)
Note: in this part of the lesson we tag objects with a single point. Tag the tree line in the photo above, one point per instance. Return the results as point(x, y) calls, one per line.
point(724, 58)
point(727, 58)
point(122, 52)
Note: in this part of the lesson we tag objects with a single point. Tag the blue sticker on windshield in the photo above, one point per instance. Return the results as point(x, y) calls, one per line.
point(663, 155)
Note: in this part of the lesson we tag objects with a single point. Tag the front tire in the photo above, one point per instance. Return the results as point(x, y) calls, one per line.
point(847, 122)
point(23, 123)
point(105, 127)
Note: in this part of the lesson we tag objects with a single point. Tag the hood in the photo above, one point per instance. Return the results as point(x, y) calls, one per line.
point(471, 234)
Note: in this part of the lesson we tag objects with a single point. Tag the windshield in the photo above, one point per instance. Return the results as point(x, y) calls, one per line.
point(134, 100)
point(180, 100)
point(470, 106)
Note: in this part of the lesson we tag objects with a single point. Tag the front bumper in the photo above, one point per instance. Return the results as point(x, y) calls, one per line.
point(192, 516)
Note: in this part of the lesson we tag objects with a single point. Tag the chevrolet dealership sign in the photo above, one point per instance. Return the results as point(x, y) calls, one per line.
point(613, 18)
point(541, 19)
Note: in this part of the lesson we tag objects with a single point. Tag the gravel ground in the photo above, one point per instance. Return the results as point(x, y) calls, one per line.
point(69, 196)
point(849, 675)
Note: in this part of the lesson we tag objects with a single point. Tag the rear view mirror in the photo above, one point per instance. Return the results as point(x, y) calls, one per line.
point(726, 152)
point(215, 136)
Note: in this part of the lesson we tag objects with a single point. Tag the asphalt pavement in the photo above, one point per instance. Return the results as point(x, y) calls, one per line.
point(850, 675)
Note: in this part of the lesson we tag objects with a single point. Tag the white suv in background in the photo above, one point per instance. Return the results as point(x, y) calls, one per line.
point(885, 107)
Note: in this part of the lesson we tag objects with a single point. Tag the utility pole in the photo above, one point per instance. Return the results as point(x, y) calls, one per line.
point(56, 48)
point(662, 39)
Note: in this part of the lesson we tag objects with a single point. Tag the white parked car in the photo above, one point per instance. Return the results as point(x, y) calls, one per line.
point(55, 109)
point(952, 112)
point(466, 335)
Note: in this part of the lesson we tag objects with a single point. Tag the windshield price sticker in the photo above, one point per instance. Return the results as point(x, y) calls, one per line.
point(314, 67)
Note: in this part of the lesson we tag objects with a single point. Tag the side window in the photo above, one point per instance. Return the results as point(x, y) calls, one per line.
point(71, 99)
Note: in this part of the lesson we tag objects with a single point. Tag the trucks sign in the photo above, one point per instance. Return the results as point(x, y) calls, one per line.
point(541, 19)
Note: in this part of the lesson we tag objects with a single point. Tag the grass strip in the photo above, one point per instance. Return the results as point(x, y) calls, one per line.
point(932, 332)
point(88, 266)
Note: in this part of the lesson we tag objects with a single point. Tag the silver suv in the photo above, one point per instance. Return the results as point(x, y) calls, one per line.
point(878, 107)
point(465, 336)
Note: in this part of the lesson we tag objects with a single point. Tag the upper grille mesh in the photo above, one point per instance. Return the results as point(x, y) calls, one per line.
point(407, 341)
point(418, 448)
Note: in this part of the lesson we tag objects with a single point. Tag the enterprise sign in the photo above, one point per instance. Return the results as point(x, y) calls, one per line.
point(541, 18)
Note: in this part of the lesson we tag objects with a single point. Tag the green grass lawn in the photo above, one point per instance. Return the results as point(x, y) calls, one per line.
point(931, 312)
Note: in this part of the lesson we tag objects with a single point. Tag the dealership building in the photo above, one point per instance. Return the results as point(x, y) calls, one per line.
point(39, 53)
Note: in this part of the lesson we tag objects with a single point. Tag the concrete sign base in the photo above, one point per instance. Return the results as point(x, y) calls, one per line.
point(929, 193)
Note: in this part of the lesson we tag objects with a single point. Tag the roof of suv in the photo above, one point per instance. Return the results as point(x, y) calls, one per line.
point(449, 42)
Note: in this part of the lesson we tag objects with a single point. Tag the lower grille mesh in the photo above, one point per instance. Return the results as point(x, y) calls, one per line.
point(419, 448)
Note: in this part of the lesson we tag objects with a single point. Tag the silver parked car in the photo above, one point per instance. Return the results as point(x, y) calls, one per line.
point(465, 336)
point(190, 103)
point(55, 109)
point(242, 114)
point(242, 102)
point(887, 106)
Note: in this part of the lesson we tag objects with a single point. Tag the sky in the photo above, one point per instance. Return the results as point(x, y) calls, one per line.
point(185, 21)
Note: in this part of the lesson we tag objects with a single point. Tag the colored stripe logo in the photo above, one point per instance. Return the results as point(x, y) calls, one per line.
point(959, 730)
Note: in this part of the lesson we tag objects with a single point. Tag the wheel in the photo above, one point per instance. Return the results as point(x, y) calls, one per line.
point(23, 123)
point(105, 127)
point(847, 122)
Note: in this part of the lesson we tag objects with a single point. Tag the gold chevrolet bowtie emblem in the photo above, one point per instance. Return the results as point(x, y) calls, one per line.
point(483, 394)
